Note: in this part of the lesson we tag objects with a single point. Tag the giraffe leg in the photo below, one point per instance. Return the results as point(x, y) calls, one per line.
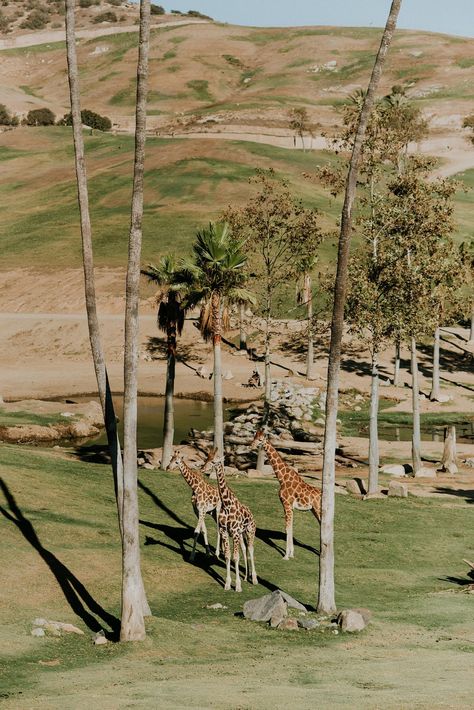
point(204, 532)
point(238, 584)
point(316, 510)
point(289, 531)
point(196, 535)
point(250, 541)
point(244, 553)
point(226, 548)
point(218, 544)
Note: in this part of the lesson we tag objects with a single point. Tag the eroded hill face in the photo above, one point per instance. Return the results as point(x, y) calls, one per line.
point(224, 74)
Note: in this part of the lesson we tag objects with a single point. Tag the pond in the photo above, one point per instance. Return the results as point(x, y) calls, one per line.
point(187, 413)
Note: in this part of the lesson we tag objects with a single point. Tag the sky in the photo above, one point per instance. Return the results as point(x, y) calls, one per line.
point(449, 16)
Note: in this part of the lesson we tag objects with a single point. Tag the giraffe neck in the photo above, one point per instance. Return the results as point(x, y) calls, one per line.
point(224, 491)
point(190, 476)
point(276, 461)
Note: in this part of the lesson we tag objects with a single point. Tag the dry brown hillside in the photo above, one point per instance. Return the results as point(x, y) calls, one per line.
point(223, 74)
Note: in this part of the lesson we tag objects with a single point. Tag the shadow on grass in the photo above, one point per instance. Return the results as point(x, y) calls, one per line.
point(269, 537)
point(467, 494)
point(77, 596)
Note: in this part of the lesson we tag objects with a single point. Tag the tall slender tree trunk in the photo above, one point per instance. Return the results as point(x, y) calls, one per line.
point(326, 599)
point(435, 389)
point(396, 369)
point(243, 333)
point(216, 306)
point(132, 624)
point(308, 295)
point(471, 329)
point(373, 427)
point(98, 357)
point(268, 381)
point(416, 435)
point(168, 423)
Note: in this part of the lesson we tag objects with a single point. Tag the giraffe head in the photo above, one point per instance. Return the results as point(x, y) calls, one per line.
point(216, 461)
point(175, 462)
point(258, 439)
point(211, 455)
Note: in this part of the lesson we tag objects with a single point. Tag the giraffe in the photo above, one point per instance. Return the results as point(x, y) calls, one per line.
point(236, 521)
point(294, 492)
point(205, 498)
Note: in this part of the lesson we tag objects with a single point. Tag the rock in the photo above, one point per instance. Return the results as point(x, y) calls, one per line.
point(397, 489)
point(443, 398)
point(253, 473)
point(203, 372)
point(351, 620)
point(365, 613)
point(228, 375)
point(320, 421)
point(38, 631)
point(425, 472)
point(469, 462)
point(394, 469)
point(52, 629)
point(217, 605)
point(378, 495)
point(356, 487)
point(277, 619)
point(148, 466)
point(308, 624)
point(291, 602)
point(40, 622)
point(357, 409)
point(264, 608)
point(62, 626)
point(288, 624)
point(99, 639)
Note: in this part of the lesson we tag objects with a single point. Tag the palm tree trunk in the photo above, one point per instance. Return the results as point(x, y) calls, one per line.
point(326, 599)
point(243, 334)
point(471, 329)
point(416, 436)
point(98, 357)
point(373, 428)
point(216, 306)
point(396, 369)
point(168, 423)
point(435, 389)
point(268, 382)
point(133, 625)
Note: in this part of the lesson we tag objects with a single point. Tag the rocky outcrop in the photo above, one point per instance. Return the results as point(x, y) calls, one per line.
point(74, 421)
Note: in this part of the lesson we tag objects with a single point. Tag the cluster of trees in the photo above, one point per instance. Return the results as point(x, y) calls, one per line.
point(404, 277)
point(46, 117)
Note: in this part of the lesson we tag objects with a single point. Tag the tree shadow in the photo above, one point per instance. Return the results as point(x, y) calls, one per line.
point(77, 596)
point(449, 361)
point(93, 453)
point(467, 494)
point(186, 353)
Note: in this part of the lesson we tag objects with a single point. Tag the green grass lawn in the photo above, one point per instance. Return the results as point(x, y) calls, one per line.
point(25, 418)
point(61, 560)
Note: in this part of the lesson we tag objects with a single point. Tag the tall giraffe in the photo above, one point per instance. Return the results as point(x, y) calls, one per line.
point(294, 492)
point(205, 498)
point(236, 521)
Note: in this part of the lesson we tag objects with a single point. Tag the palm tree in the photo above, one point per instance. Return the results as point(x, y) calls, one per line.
point(304, 297)
point(170, 320)
point(326, 599)
point(216, 280)
point(132, 622)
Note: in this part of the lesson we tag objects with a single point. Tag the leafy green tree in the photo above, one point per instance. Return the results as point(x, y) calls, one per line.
point(40, 117)
point(172, 308)
point(216, 278)
point(89, 118)
point(299, 123)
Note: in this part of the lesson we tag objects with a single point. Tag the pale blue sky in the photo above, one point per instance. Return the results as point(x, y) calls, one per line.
point(450, 16)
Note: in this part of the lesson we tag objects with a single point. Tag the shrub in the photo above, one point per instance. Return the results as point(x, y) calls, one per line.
point(157, 10)
point(115, 3)
point(107, 16)
point(89, 118)
point(36, 20)
point(40, 117)
point(4, 22)
point(5, 118)
point(196, 13)
point(88, 3)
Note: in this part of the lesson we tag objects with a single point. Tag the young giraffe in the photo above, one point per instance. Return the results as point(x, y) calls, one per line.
point(294, 493)
point(236, 521)
point(205, 498)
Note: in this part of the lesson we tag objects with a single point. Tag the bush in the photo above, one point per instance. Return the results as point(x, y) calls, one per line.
point(5, 118)
point(89, 118)
point(157, 10)
point(88, 3)
point(40, 117)
point(196, 13)
point(36, 20)
point(108, 16)
point(115, 3)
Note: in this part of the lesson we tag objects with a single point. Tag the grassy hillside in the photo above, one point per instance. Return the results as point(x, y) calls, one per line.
point(60, 559)
point(188, 182)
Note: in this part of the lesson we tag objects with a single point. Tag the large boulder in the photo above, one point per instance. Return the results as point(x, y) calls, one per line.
point(266, 607)
point(351, 620)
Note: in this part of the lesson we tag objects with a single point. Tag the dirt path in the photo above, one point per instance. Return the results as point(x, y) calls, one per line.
point(36, 38)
